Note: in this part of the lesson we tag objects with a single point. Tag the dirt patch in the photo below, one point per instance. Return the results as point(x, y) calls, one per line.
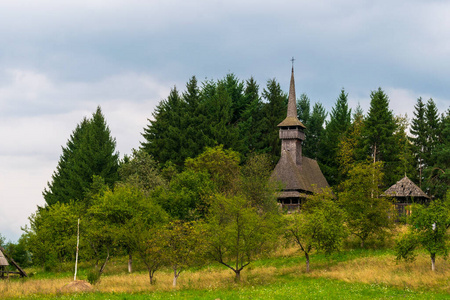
point(76, 286)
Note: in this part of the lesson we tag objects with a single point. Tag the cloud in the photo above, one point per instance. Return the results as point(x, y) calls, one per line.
point(38, 115)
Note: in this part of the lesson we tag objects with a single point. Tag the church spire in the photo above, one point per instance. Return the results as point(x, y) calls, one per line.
point(292, 105)
point(291, 118)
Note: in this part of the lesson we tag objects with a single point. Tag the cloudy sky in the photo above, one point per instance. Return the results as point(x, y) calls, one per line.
point(59, 60)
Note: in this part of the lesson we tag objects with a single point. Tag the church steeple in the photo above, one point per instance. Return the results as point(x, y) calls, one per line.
point(292, 106)
point(291, 129)
point(291, 118)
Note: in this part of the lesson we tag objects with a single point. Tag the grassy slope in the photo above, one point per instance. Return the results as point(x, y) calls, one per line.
point(366, 274)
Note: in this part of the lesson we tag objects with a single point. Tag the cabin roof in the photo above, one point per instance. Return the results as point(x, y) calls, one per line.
point(405, 188)
point(3, 261)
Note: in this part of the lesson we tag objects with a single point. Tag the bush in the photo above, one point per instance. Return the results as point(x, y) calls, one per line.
point(93, 277)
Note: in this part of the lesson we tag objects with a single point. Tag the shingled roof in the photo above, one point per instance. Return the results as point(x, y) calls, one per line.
point(291, 118)
point(293, 178)
point(405, 188)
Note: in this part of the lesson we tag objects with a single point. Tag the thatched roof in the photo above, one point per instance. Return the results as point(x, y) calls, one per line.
point(3, 261)
point(405, 188)
point(305, 179)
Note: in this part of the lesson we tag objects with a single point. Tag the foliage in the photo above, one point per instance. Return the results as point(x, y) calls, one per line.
point(90, 151)
point(250, 126)
point(404, 149)
point(141, 170)
point(339, 124)
point(419, 137)
point(319, 225)
point(184, 245)
point(315, 132)
point(349, 145)
point(163, 136)
point(185, 198)
point(429, 229)
point(273, 113)
point(93, 277)
point(255, 184)
point(221, 165)
point(51, 236)
point(238, 232)
point(438, 176)
point(378, 133)
point(19, 251)
point(122, 218)
point(366, 212)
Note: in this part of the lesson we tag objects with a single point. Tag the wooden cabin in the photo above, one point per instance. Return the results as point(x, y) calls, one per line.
point(3, 265)
point(405, 192)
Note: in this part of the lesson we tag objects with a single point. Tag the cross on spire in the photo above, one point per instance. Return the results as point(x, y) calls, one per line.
point(292, 60)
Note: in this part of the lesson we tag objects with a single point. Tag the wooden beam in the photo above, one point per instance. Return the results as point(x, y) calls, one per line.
point(11, 260)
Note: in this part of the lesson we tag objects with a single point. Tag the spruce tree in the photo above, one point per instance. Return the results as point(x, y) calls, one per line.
point(219, 117)
point(340, 121)
point(274, 112)
point(419, 137)
point(315, 131)
point(194, 140)
point(438, 175)
point(90, 152)
point(163, 136)
point(378, 133)
point(250, 127)
point(303, 109)
point(432, 130)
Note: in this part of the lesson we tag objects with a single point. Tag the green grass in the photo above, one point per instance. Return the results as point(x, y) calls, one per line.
point(294, 288)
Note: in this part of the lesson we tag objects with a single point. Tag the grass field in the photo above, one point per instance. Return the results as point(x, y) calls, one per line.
point(348, 275)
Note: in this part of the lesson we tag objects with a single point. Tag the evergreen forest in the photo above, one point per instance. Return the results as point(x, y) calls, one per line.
point(199, 191)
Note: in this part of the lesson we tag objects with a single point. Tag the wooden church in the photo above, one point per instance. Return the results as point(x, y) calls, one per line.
point(299, 176)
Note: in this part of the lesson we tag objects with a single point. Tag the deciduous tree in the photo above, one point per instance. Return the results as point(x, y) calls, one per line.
point(367, 213)
point(238, 232)
point(319, 226)
point(429, 229)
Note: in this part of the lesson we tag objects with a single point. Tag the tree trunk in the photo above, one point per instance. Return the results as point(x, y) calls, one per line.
point(104, 264)
point(307, 262)
point(433, 260)
point(150, 274)
point(238, 276)
point(175, 276)
point(130, 263)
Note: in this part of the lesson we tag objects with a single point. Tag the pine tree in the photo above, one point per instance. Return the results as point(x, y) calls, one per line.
point(432, 130)
point(313, 121)
point(235, 89)
point(350, 145)
point(340, 121)
point(163, 136)
point(274, 111)
point(379, 128)
point(439, 174)
point(315, 131)
point(419, 139)
point(194, 140)
point(219, 117)
point(250, 127)
point(90, 152)
point(303, 109)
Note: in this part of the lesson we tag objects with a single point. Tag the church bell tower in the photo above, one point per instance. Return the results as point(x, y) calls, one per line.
point(292, 132)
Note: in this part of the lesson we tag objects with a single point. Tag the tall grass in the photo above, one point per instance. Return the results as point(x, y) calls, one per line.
point(363, 270)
